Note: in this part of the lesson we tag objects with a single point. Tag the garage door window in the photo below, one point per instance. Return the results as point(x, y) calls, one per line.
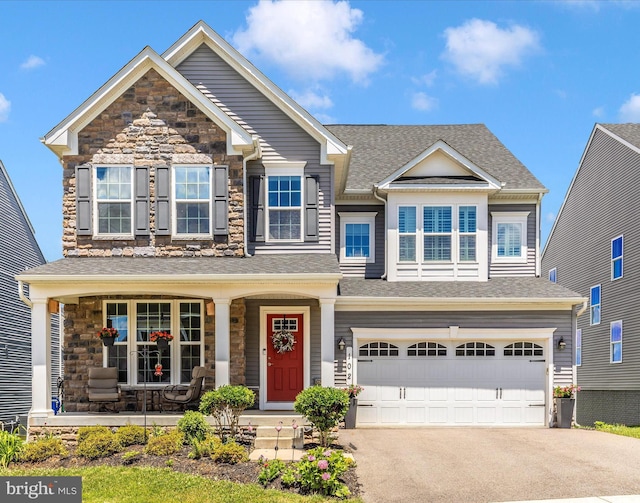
point(378, 349)
point(475, 349)
point(427, 349)
point(523, 349)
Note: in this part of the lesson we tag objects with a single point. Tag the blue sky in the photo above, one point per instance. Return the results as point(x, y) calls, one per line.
point(539, 74)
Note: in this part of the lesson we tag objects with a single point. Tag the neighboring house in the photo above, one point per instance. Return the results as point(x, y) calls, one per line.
point(18, 251)
point(201, 199)
point(592, 250)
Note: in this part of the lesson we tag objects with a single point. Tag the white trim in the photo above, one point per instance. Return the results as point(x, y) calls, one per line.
point(174, 202)
point(368, 218)
point(426, 304)
point(284, 167)
point(95, 201)
point(306, 370)
point(509, 217)
point(621, 258)
point(611, 342)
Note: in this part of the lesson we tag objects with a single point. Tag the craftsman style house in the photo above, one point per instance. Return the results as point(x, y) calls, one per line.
point(201, 200)
point(602, 267)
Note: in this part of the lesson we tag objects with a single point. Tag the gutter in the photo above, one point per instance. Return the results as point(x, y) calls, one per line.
point(539, 225)
point(386, 227)
point(257, 152)
point(581, 311)
point(23, 297)
point(182, 278)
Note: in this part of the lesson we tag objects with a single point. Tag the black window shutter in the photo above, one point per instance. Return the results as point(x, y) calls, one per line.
point(220, 200)
point(257, 207)
point(163, 201)
point(141, 215)
point(311, 209)
point(83, 200)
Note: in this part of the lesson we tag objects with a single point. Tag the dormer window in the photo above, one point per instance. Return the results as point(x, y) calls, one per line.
point(114, 202)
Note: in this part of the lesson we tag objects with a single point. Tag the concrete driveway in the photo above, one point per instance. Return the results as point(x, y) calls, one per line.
point(491, 465)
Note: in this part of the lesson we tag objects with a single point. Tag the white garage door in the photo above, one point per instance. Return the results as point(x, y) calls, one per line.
point(463, 383)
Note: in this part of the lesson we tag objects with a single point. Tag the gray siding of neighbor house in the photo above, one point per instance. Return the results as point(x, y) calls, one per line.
point(596, 211)
point(18, 251)
point(528, 269)
point(253, 349)
point(561, 320)
point(613, 407)
point(281, 138)
point(374, 269)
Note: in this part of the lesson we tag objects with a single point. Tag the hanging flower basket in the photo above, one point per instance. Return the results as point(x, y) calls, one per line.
point(161, 338)
point(108, 335)
point(283, 341)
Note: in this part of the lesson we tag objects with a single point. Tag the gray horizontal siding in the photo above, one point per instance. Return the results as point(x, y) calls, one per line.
point(596, 211)
point(372, 270)
point(561, 320)
point(528, 269)
point(280, 137)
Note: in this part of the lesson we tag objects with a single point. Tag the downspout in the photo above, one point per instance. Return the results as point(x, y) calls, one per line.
point(539, 224)
point(386, 229)
point(257, 152)
point(582, 309)
point(23, 297)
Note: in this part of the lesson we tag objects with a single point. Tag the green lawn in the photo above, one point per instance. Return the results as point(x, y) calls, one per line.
point(619, 429)
point(107, 484)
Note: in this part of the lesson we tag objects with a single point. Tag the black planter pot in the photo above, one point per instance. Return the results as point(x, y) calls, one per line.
point(350, 417)
point(564, 412)
point(162, 344)
point(108, 341)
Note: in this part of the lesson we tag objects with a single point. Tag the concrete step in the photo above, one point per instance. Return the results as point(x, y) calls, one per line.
point(281, 442)
point(271, 419)
point(270, 431)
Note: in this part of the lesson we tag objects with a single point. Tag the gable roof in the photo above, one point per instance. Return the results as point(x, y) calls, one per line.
point(630, 132)
point(380, 150)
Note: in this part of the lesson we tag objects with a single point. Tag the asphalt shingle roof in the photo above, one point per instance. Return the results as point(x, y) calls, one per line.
point(380, 150)
point(628, 132)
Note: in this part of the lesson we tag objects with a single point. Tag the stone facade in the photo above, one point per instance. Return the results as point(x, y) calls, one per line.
point(152, 124)
point(82, 349)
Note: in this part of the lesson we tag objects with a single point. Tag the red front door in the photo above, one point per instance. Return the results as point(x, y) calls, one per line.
point(284, 370)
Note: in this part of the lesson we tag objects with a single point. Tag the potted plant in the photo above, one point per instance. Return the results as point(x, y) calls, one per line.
point(108, 335)
point(161, 338)
point(565, 398)
point(353, 390)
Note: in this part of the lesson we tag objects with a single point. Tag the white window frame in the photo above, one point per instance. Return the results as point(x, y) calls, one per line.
point(513, 217)
point(598, 305)
point(620, 258)
point(366, 218)
point(175, 201)
point(290, 169)
point(553, 275)
point(417, 246)
point(453, 248)
point(96, 202)
point(460, 234)
point(611, 343)
point(175, 344)
point(578, 347)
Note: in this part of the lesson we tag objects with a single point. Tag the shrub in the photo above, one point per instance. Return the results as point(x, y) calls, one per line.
point(43, 448)
point(226, 404)
point(324, 407)
point(165, 445)
point(131, 456)
point(230, 453)
point(98, 445)
point(289, 476)
point(193, 426)
point(319, 471)
point(85, 431)
point(204, 448)
point(11, 445)
point(270, 470)
point(131, 434)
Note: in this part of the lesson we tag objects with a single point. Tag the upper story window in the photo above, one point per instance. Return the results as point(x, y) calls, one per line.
point(553, 275)
point(357, 232)
point(113, 200)
point(509, 237)
point(578, 347)
point(616, 257)
point(192, 200)
point(407, 233)
point(284, 207)
point(596, 301)
point(616, 341)
point(437, 228)
point(467, 225)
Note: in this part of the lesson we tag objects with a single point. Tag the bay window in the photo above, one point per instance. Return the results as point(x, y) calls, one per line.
point(437, 230)
point(407, 233)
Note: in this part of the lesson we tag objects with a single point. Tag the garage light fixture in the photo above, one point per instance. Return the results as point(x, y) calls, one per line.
point(561, 343)
point(341, 344)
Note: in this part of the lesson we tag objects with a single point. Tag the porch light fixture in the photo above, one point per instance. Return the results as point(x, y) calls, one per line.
point(341, 344)
point(561, 343)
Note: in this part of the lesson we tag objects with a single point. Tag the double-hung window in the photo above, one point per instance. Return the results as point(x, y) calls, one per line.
point(616, 341)
point(284, 197)
point(357, 232)
point(192, 201)
point(596, 301)
point(616, 257)
point(114, 201)
point(578, 347)
point(407, 231)
point(553, 275)
point(509, 237)
point(437, 229)
point(467, 229)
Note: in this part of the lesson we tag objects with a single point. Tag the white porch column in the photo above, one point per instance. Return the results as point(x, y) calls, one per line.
point(223, 341)
point(327, 342)
point(40, 359)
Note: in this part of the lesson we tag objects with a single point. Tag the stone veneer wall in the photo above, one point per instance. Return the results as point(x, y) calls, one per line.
point(153, 125)
point(82, 349)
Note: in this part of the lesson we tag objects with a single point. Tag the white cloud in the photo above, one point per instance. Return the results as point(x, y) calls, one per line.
point(630, 110)
point(550, 217)
point(423, 102)
point(5, 108)
point(311, 99)
point(309, 40)
point(481, 50)
point(428, 79)
point(32, 62)
point(598, 112)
